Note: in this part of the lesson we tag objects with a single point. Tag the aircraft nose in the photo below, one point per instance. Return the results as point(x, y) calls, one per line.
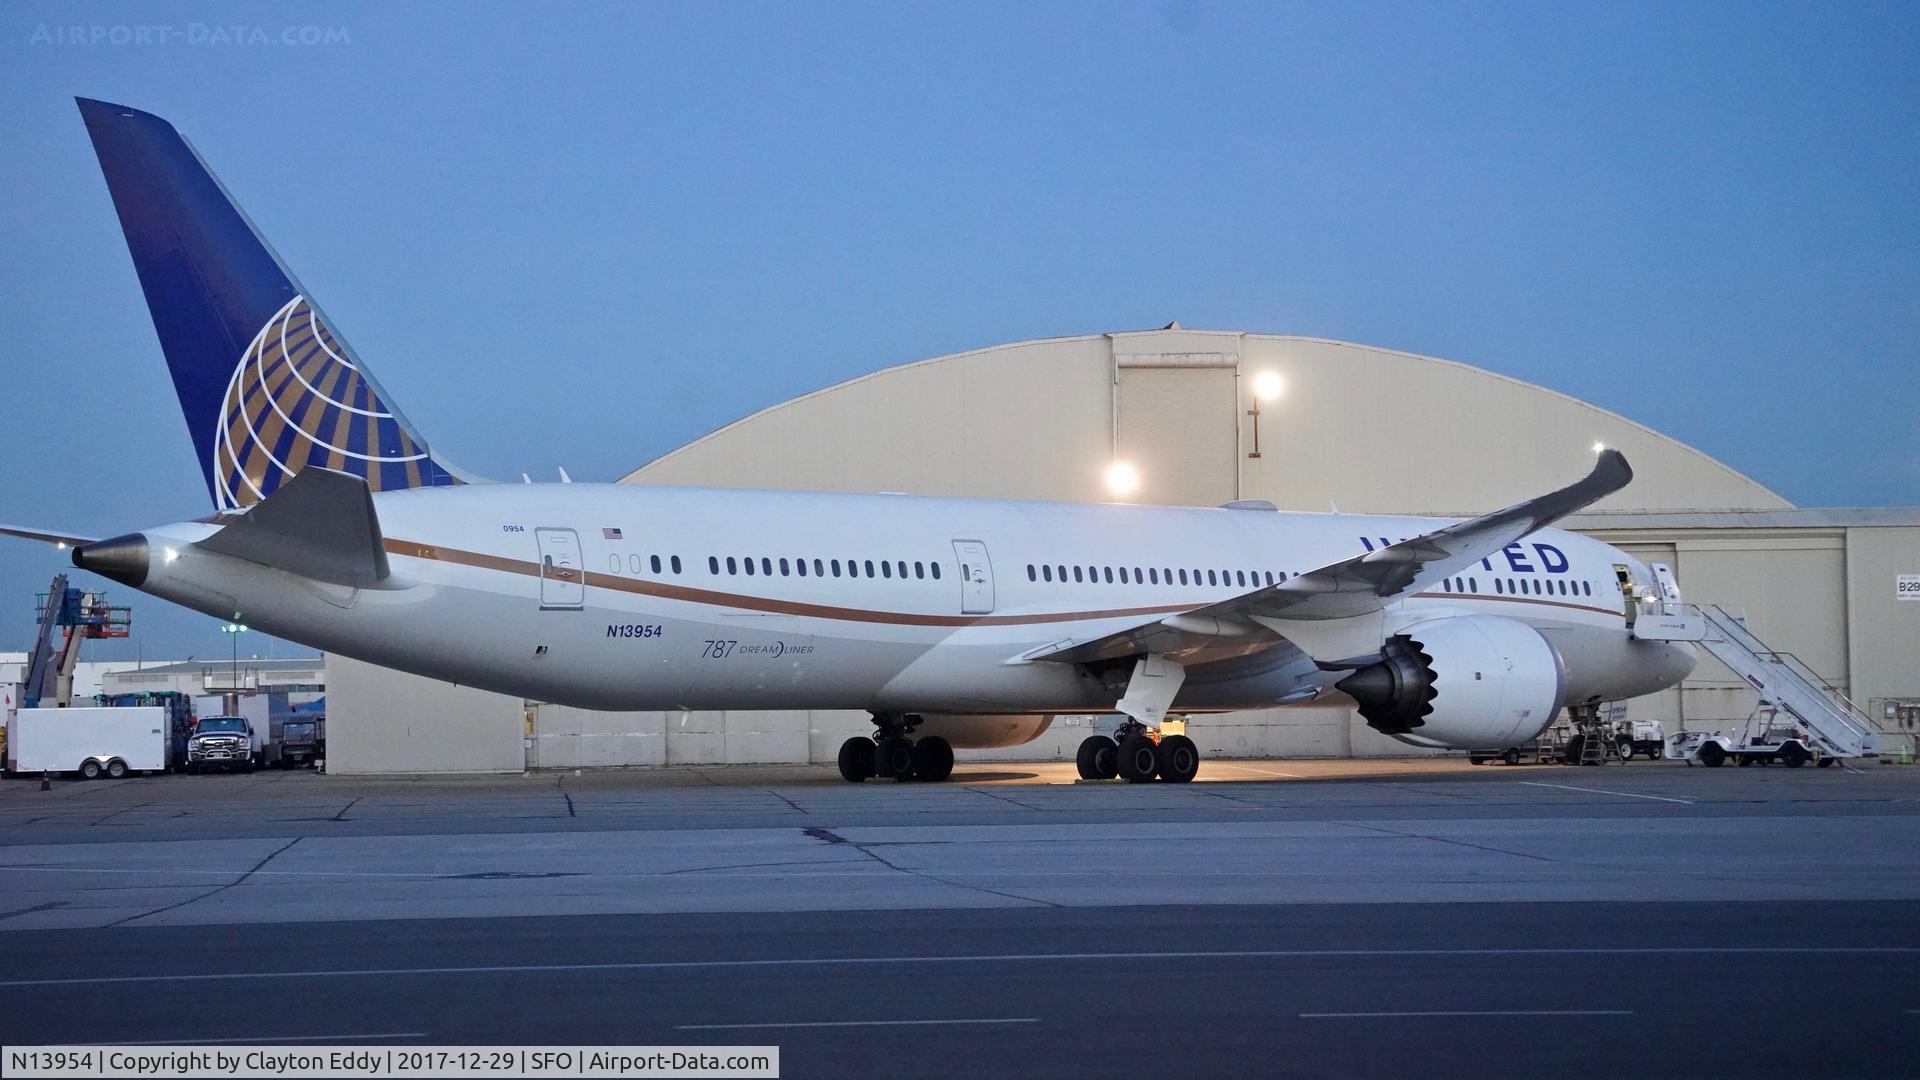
point(123, 558)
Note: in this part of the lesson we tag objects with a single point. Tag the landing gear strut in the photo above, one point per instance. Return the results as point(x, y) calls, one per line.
point(893, 753)
point(1134, 755)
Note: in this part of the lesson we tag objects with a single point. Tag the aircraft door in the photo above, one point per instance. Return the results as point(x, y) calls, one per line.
point(976, 577)
point(563, 580)
point(1667, 587)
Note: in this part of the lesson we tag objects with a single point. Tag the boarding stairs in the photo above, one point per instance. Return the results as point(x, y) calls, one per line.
point(1831, 723)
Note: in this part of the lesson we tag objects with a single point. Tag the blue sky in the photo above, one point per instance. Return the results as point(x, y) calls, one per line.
point(582, 235)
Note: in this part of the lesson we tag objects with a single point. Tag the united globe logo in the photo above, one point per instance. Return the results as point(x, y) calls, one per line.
point(295, 400)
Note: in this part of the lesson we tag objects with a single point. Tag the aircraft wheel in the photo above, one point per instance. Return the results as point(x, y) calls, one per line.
point(1138, 759)
point(1096, 758)
point(856, 759)
point(932, 759)
point(1178, 759)
point(893, 760)
point(89, 770)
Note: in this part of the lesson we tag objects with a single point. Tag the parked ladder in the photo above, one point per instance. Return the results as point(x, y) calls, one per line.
point(1831, 722)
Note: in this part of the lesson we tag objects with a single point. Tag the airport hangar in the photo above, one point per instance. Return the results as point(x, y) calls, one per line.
point(1197, 416)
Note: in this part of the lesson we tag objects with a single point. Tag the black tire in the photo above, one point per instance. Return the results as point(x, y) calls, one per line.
point(1825, 761)
point(1743, 760)
point(1712, 756)
point(1097, 758)
point(893, 760)
point(1624, 747)
point(1178, 759)
point(856, 759)
point(1138, 759)
point(190, 768)
point(932, 759)
point(89, 770)
point(1575, 747)
point(1793, 755)
point(1512, 756)
point(116, 769)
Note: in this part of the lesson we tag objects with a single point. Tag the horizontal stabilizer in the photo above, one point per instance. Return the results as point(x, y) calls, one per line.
point(319, 524)
point(1334, 613)
point(45, 537)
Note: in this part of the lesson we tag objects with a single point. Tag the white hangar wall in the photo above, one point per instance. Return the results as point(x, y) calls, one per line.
point(1371, 430)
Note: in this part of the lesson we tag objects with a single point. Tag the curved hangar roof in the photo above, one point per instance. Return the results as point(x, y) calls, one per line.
point(1373, 430)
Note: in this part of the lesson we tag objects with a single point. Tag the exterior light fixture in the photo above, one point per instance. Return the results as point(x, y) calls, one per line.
point(1122, 480)
point(1267, 386)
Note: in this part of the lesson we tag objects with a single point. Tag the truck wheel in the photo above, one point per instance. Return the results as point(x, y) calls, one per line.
point(89, 769)
point(1793, 755)
point(1512, 756)
point(1625, 749)
point(117, 769)
point(1711, 755)
point(1826, 761)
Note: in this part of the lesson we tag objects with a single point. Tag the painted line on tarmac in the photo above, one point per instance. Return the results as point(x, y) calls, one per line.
point(1603, 791)
point(1003, 958)
point(852, 1023)
point(290, 1039)
point(1253, 769)
point(1481, 1012)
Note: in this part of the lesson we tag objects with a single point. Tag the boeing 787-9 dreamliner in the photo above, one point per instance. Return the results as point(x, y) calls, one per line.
point(954, 622)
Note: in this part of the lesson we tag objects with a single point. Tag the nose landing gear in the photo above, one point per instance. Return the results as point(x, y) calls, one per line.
point(892, 753)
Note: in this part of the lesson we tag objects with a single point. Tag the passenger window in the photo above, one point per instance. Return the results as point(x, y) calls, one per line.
point(1032, 574)
point(886, 569)
point(1496, 585)
point(1137, 579)
point(1048, 571)
point(1063, 573)
point(784, 568)
point(853, 568)
point(919, 571)
point(1183, 575)
point(749, 562)
point(732, 566)
point(1076, 575)
point(902, 567)
point(935, 567)
point(835, 564)
point(800, 567)
point(1211, 580)
point(868, 566)
point(713, 566)
point(1153, 576)
point(676, 564)
point(766, 566)
point(819, 570)
point(1108, 571)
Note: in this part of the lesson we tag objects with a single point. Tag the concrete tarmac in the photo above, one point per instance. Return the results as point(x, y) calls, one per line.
point(1350, 918)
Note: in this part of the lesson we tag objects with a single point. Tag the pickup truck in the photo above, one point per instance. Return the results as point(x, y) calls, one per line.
point(221, 742)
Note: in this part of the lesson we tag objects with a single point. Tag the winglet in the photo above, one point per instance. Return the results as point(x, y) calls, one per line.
point(319, 524)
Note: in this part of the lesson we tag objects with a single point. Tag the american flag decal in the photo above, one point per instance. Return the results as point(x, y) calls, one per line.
point(611, 534)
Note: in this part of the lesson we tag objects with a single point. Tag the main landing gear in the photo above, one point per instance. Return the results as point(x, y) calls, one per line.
point(893, 753)
point(1137, 756)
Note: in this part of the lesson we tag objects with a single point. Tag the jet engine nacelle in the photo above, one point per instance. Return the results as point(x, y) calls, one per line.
point(1475, 682)
point(982, 731)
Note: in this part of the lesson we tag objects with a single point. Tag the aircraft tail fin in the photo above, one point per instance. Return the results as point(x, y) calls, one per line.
point(267, 385)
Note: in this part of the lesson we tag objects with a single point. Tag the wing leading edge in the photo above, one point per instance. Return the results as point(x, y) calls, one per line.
point(1336, 614)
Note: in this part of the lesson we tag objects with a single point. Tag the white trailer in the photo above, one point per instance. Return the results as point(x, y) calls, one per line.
point(91, 742)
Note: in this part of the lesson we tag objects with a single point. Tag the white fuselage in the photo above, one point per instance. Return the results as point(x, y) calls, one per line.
point(883, 602)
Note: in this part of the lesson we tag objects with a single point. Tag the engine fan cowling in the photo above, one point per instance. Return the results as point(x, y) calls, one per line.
point(1474, 682)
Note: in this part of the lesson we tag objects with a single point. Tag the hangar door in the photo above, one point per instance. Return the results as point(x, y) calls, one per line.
point(1179, 428)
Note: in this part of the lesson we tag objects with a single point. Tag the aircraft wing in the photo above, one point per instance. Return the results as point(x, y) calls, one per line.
point(46, 537)
point(1336, 614)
